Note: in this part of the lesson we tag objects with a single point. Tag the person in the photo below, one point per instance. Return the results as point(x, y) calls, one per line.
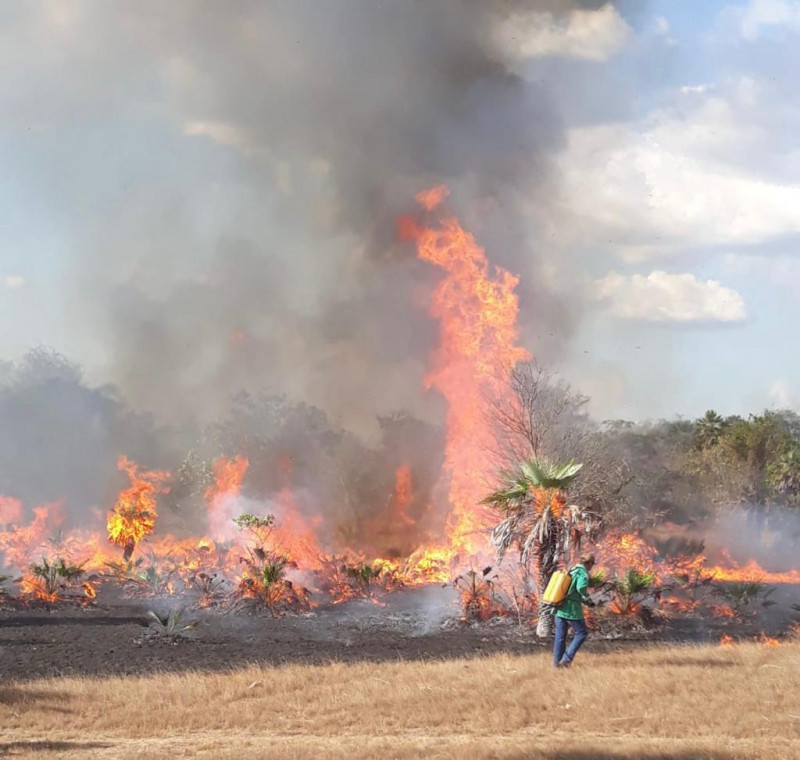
point(570, 614)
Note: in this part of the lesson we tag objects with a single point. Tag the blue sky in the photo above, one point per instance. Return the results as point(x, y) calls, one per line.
point(675, 203)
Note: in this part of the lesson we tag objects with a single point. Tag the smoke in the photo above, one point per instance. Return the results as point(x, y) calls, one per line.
point(770, 536)
point(246, 231)
point(231, 174)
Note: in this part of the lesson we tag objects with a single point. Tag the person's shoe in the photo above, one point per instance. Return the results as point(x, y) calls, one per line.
point(565, 663)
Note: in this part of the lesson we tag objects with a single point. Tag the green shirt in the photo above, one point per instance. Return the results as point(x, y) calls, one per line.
point(570, 608)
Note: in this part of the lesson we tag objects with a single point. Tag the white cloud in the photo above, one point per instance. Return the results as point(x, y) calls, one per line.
point(760, 14)
point(12, 282)
point(705, 171)
point(595, 35)
point(662, 297)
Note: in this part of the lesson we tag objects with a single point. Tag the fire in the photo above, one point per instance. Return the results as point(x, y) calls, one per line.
point(20, 543)
point(477, 311)
point(752, 571)
point(722, 610)
point(35, 588)
point(294, 534)
point(430, 199)
point(222, 496)
point(134, 515)
point(726, 641)
point(403, 496)
point(627, 550)
point(768, 641)
point(630, 550)
point(10, 510)
point(476, 307)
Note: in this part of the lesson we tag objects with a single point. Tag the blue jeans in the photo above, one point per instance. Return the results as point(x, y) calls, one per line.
point(560, 652)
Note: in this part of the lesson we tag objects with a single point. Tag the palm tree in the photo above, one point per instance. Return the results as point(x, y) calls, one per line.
point(538, 521)
point(785, 475)
point(708, 429)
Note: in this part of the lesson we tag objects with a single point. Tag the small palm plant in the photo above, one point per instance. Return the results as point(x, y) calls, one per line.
point(630, 590)
point(52, 577)
point(154, 581)
point(210, 585)
point(744, 594)
point(172, 626)
point(537, 521)
point(477, 594)
point(362, 577)
point(264, 585)
point(124, 572)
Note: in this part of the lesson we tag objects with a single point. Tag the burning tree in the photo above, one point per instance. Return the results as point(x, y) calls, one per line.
point(538, 521)
point(134, 514)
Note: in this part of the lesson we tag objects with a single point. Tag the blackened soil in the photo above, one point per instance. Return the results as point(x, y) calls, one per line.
point(112, 637)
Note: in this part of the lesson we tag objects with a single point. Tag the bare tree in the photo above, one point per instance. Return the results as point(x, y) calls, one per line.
point(543, 416)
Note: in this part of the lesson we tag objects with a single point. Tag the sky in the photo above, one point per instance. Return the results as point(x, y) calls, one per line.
point(667, 238)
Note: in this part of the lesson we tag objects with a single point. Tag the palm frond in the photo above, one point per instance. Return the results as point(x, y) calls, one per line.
point(535, 473)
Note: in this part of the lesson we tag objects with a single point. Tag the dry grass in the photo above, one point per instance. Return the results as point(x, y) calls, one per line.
point(667, 702)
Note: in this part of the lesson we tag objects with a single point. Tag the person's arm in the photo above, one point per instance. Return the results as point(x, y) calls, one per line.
point(582, 587)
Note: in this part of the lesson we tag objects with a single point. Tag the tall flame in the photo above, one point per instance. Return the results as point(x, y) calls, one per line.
point(221, 497)
point(403, 496)
point(134, 515)
point(477, 311)
point(294, 534)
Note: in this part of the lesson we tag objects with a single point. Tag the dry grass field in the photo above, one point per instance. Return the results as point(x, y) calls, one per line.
point(724, 703)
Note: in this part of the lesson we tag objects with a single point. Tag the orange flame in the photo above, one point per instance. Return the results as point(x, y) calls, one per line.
point(221, 497)
point(477, 312)
point(752, 571)
point(134, 514)
point(295, 534)
point(20, 544)
point(768, 641)
point(433, 197)
point(10, 510)
point(34, 587)
point(726, 641)
point(403, 496)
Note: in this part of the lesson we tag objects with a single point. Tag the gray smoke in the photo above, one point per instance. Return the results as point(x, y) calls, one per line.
point(769, 536)
point(274, 266)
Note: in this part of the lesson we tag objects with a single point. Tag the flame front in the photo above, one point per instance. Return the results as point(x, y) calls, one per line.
point(476, 308)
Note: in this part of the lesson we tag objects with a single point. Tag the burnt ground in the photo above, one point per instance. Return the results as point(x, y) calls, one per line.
point(110, 636)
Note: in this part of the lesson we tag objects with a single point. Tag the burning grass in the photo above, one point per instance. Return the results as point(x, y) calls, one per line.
point(726, 703)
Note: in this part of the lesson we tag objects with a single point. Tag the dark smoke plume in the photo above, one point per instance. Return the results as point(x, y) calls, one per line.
point(280, 270)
